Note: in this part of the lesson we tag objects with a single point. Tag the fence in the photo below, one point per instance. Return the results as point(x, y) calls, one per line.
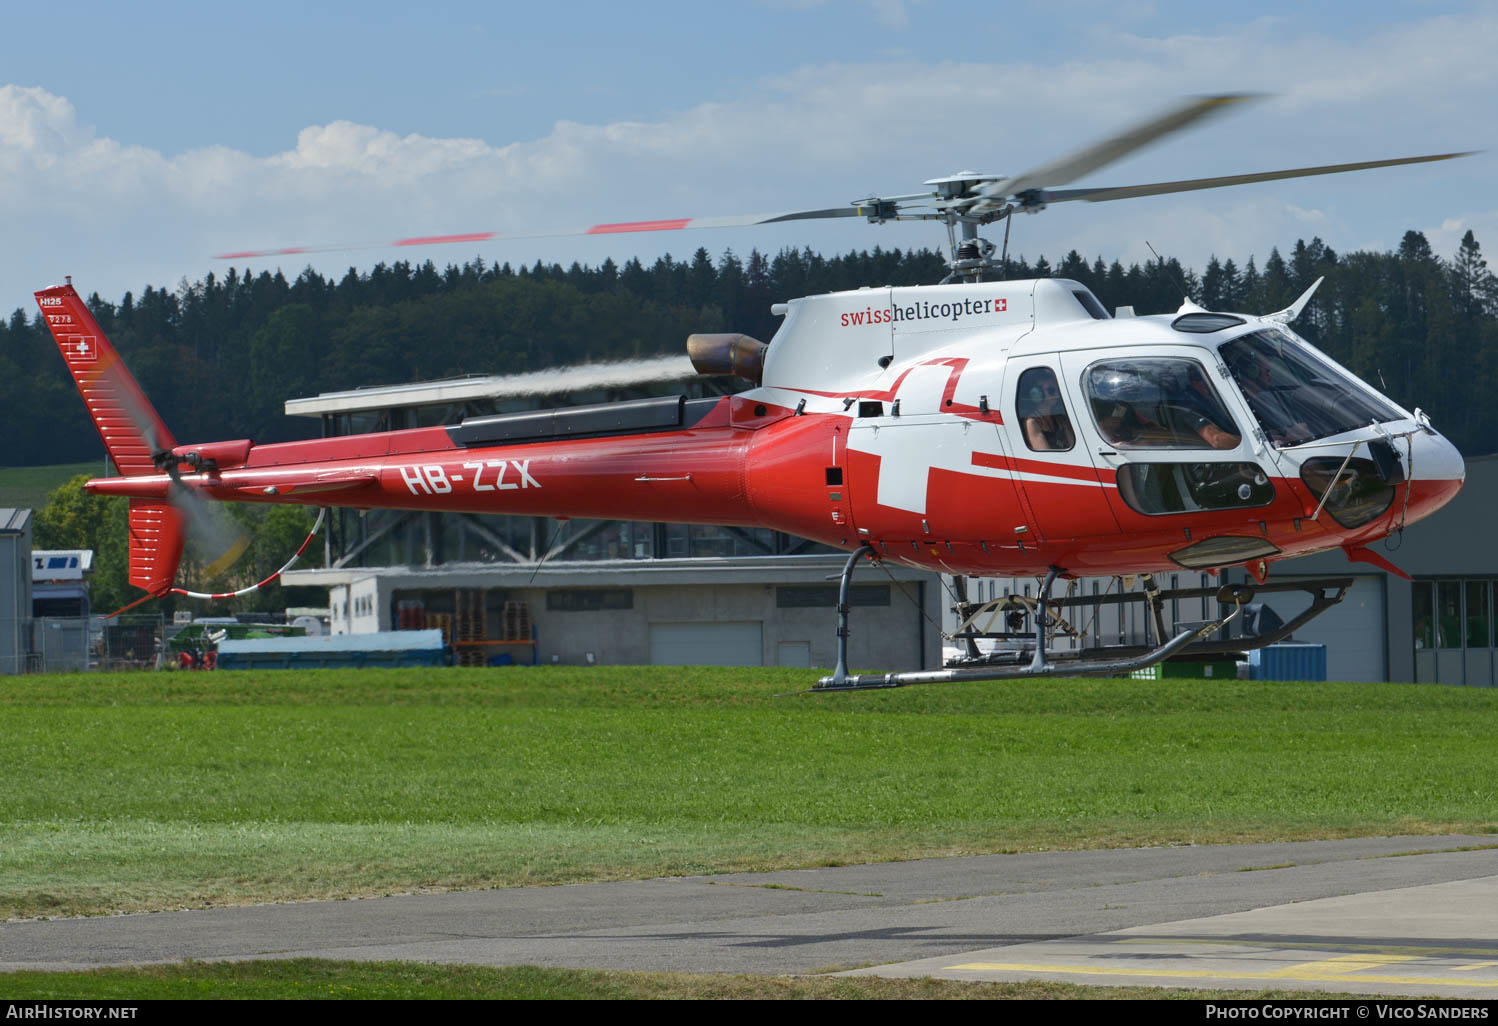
point(71, 644)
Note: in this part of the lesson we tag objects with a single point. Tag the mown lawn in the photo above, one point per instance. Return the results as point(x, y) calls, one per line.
point(314, 979)
point(160, 790)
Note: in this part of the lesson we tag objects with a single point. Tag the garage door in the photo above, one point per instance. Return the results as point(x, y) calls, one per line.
point(707, 644)
point(1352, 630)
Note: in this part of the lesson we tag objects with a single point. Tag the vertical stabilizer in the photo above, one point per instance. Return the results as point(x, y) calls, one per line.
point(132, 430)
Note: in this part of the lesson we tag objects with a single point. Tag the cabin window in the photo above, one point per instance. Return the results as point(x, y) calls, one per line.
point(1156, 488)
point(1042, 414)
point(1158, 403)
point(1090, 303)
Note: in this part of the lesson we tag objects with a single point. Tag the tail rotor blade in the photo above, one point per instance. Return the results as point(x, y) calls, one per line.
point(217, 539)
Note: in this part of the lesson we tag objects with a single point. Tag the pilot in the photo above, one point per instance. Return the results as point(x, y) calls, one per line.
point(1042, 414)
point(1255, 378)
point(1190, 398)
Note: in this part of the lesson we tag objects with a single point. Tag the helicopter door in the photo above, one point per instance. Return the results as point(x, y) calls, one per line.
point(924, 475)
point(1154, 422)
point(1052, 467)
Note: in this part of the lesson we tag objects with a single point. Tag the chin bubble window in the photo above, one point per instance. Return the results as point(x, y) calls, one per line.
point(1042, 414)
point(1158, 404)
point(1356, 491)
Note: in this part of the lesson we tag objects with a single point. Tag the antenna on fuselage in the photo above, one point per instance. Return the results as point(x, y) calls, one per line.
point(1165, 269)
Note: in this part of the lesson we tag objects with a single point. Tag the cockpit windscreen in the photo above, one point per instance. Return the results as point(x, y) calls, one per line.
point(1295, 394)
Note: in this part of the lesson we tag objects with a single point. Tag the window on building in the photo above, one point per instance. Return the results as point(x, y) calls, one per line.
point(824, 596)
point(1448, 614)
point(1425, 617)
point(588, 600)
point(1478, 633)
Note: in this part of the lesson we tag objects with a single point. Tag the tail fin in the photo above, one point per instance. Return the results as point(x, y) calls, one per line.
point(132, 430)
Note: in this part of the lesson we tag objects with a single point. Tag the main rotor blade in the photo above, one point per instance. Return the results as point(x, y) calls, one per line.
point(1102, 195)
point(1070, 168)
point(619, 228)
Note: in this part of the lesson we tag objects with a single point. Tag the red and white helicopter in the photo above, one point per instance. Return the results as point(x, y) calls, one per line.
point(976, 427)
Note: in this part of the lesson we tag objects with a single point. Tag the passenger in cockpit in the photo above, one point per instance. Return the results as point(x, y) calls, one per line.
point(1042, 414)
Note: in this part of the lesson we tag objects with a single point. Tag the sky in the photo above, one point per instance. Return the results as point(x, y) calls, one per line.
point(136, 141)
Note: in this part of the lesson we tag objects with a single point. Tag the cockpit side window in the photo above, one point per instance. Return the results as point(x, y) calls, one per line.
point(1158, 403)
point(1042, 413)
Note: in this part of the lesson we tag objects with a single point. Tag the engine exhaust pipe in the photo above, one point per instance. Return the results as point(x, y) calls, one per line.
point(729, 353)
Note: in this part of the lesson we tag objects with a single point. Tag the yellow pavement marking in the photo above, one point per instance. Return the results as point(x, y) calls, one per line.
point(1219, 974)
point(1418, 950)
point(1469, 968)
point(1340, 964)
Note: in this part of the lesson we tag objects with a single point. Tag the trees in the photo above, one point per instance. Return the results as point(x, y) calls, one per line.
point(220, 356)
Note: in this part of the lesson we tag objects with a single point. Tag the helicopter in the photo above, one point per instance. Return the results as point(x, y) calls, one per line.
point(976, 427)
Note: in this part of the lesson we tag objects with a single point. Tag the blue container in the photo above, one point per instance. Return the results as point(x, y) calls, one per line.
point(334, 651)
point(1288, 660)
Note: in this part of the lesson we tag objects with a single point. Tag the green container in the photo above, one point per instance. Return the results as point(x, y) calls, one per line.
point(1190, 669)
point(194, 635)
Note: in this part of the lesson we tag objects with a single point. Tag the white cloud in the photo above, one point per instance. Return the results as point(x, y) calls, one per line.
point(1307, 216)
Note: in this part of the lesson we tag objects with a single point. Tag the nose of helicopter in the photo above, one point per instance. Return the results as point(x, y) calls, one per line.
point(1436, 474)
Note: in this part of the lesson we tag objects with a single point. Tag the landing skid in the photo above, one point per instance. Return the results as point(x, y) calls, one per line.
point(1051, 622)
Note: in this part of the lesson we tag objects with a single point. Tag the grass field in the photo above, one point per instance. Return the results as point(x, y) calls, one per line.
point(161, 790)
point(27, 487)
point(313, 979)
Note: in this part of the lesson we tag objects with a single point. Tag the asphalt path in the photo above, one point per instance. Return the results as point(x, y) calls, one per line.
point(1037, 912)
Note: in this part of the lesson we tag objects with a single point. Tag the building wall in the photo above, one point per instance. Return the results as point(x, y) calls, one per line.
point(339, 613)
point(885, 637)
point(896, 636)
point(15, 589)
point(369, 607)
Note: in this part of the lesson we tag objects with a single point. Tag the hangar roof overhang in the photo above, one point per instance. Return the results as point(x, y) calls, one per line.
point(821, 568)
